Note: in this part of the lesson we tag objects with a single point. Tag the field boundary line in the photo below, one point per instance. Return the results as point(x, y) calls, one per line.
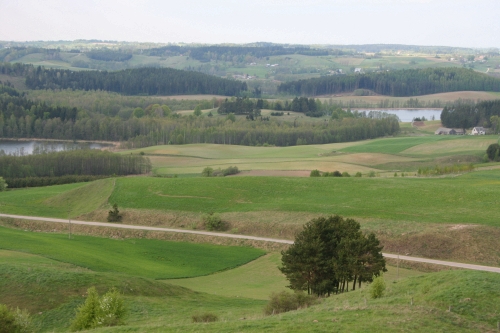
point(235, 236)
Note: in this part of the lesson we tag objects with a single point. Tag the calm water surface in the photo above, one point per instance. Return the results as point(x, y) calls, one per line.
point(407, 115)
point(28, 147)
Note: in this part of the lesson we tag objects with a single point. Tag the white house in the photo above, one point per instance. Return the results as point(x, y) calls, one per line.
point(478, 131)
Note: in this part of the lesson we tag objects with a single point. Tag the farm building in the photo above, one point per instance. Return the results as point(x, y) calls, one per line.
point(478, 131)
point(445, 131)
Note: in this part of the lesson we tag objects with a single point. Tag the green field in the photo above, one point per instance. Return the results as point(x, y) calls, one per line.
point(137, 257)
point(361, 156)
point(396, 199)
point(52, 290)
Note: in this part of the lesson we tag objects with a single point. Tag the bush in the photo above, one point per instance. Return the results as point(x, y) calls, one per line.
point(285, 301)
point(377, 287)
point(314, 173)
point(204, 318)
point(8, 322)
point(358, 174)
point(3, 184)
point(493, 152)
point(346, 174)
point(371, 174)
point(230, 171)
point(108, 310)
point(207, 172)
point(336, 174)
point(114, 214)
point(213, 222)
point(24, 321)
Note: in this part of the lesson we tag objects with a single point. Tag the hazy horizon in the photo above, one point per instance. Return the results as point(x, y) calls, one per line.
point(457, 23)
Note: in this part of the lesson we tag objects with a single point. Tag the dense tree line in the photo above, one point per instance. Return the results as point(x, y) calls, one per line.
point(236, 53)
point(407, 82)
point(108, 55)
point(13, 53)
point(79, 162)
point(330, 253)
point(467, 115)
point(21, 117)
point(145, 81)
point(49, 181)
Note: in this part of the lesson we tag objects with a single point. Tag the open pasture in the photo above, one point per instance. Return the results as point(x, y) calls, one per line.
point(258, 279)
point(58, 201)
point(138, 257)
point(406, 199)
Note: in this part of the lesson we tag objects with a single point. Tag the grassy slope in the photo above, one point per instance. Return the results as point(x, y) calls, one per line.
point(257, 279)
point(58, 201)
point(397, 199)
point(52, 291)
point(472, 296)
point(137, 257)
point(410, 199)
point(363, 156)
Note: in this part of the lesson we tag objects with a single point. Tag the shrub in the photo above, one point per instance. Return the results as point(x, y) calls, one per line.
point(114, 214)
point(3, 184)
point(213, 222)
point(314, 173)
point(493, 151)
point(286, 301)
point(204, 318)
point(358, 174)
point(371, 174)
point(346, 174)
point(336, 174)
point(23, 321)
point(230, 171)
point(207, 172)
point(377, 287)
point(8, 322)
point(108, 310)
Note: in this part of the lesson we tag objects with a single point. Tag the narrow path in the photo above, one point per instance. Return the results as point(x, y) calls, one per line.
point(264, 239)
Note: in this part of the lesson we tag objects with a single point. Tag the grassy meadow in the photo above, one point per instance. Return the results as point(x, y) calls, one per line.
point(51, 290)
point(136, 257)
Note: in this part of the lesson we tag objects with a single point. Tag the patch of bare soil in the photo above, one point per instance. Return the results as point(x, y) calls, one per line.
point(274, 173)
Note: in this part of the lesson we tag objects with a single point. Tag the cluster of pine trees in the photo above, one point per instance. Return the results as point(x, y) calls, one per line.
point(68, 167)
point(237, 53)
point(467, 115)
point(109, 55)
point(330, 253)
point(406, 82)
point(145, 81)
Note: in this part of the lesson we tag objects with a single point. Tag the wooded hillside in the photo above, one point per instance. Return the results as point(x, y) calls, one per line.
point(410, 82)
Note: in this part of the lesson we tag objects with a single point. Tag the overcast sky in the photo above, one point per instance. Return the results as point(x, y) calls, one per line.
point(471, 23)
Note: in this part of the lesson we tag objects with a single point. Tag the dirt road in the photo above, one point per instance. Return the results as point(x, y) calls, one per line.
point(264, 239)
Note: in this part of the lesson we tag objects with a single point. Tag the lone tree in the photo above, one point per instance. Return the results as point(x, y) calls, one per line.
point(330, 253)
point(114, 214)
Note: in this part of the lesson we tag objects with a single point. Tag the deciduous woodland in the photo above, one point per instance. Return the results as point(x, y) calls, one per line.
point(21, 117)
point(409, 82)
point(55, 168)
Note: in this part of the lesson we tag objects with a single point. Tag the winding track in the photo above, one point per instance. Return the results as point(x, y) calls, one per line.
point(263, 239)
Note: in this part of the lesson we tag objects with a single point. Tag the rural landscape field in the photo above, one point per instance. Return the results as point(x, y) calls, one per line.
point(335, 181)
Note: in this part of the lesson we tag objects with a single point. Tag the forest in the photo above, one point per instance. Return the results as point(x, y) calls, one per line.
point(238, 53)
point(68, 167)
point(398, 83)
point(467, 115)
point(140, 81)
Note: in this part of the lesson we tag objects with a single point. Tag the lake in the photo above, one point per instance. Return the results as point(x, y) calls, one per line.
point(28, 147)
point(407, 115)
